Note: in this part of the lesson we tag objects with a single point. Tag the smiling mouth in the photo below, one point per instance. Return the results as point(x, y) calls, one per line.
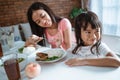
point(92, 40)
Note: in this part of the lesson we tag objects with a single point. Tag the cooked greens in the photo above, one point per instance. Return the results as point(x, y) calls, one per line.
point(52, 58)
point(20, 60)
point(21, 49)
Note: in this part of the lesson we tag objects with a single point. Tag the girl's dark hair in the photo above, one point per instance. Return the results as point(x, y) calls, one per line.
point(82, 21)
point(36, 29)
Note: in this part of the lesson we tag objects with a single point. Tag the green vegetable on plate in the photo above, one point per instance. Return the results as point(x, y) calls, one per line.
point(21, 49)
point(52, 58)
point(20, 60)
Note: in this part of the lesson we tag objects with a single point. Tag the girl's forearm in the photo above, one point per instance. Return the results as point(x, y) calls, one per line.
point(103, 62)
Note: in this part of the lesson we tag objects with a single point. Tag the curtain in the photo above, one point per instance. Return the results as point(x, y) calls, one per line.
point(108, 12)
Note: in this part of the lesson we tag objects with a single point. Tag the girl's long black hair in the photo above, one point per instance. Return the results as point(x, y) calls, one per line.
point(36, 29)
point(82, 21)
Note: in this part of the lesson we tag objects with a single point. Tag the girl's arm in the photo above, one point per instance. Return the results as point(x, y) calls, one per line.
point(109, 61)
point(67, 33)
point(67, 39)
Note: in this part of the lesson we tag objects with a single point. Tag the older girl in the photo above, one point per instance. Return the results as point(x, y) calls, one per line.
point(44, 22)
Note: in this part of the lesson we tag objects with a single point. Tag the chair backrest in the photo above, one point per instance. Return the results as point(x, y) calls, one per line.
point(26, 30)
point(25, 27)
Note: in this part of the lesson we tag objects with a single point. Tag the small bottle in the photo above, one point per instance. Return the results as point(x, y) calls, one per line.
point(1, 52)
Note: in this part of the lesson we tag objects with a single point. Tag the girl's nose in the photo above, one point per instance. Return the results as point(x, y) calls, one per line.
point(93, 36)
point(43, 21)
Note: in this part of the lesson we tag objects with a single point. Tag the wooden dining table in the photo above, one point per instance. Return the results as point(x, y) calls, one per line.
point(60, 71)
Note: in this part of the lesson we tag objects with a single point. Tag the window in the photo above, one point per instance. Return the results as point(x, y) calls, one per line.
point(108, 12)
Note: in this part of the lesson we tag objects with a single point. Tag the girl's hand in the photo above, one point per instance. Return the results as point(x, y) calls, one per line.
point(33, 40)
point(75, 62)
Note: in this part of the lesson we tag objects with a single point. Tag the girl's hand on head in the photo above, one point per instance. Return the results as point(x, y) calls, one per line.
point(33, 40)
point(75, 62)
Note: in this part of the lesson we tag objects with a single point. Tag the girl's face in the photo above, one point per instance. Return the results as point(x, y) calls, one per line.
point(90, 36)
point(42, 18)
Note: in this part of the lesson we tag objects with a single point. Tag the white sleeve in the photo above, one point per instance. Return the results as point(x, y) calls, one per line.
point(104, 49)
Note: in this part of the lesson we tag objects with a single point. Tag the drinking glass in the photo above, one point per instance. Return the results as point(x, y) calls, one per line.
point(11, 66)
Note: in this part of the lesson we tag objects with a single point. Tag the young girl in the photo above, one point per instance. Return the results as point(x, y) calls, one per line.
point(89, 48)
point(44, 22)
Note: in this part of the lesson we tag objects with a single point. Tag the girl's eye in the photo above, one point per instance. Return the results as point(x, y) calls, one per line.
point(97, 31)
point(38, 21)
point(88, 32)
point(42, 15)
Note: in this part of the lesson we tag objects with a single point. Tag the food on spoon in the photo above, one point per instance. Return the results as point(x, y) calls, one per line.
point(32, 70)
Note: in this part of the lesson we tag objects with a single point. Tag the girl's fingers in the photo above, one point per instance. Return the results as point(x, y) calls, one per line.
point(38, 39)
point(33, 40)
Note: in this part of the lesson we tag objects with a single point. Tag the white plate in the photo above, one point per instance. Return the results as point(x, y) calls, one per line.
point(60, 52)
